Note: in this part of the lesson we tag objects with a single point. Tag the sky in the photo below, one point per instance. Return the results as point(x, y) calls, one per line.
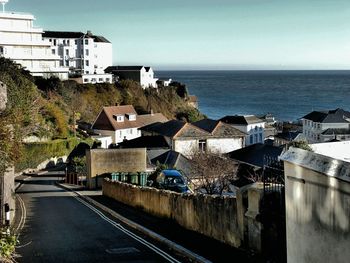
point(208, 34)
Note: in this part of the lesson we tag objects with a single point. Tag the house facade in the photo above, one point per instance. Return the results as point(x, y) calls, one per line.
point(141, 74)
point(23, 43)
point(84, 54)
point(206, 135)
point(323, 126)
point(121, 123)
point(249, 124)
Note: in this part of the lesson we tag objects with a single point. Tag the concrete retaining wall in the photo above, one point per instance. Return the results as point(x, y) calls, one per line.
point(100, 161)
point(213, 216)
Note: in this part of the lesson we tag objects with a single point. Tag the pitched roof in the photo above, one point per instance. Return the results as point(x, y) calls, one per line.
point(63, 34)
point(168, 129)
point(149, 142)
point(336, 132)
point(218, 128)
point(70, 34)
point(241, 119)
point(173, 160)
point(202, 129)
point(290, 136)
point(254, 154)
point(124, 68)
point(107, 121)
point(331, 116)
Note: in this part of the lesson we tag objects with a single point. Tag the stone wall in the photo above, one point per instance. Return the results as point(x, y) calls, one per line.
point(101, 161)
point(219, 217)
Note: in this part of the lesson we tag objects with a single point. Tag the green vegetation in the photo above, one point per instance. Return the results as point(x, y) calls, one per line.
point(49, 108)
point(35, 153)
point(300, 144)
point(8, 244)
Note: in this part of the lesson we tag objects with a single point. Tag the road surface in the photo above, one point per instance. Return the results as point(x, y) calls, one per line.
point(59, 227)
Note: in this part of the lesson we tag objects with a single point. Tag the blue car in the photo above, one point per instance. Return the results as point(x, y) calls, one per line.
point(172, 180)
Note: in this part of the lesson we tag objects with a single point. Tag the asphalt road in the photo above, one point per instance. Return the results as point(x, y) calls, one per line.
point(61, 228)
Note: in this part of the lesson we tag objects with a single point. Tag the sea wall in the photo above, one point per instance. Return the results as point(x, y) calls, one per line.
point(219, 217)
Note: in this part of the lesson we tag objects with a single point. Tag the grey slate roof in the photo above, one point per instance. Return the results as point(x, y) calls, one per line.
point(68, 34)
point(169, 129)
point(202, 129)
point(63, 34)
point(254, 154)
point(148, 142)
point(336, 132)
point(173, 160)
point(331, 116)
point(218, 128)
point(241, 119)
point(125, 68)
point(290, 136)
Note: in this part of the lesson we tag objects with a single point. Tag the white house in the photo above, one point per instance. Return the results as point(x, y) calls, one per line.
point(84, 54)
point(205, 135)
point(23, 43)
point(323, 126)
point(141, 74)
point(249, 124)
point(122, 123)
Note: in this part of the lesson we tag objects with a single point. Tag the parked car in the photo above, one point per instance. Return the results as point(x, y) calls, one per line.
point(171, 180)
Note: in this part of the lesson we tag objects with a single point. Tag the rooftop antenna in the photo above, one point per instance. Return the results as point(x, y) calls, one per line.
point(3, 2)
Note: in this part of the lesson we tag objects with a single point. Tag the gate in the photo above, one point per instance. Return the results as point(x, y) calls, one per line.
point(273, 215)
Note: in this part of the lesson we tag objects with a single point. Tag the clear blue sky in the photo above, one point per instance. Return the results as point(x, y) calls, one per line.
point(208, 34)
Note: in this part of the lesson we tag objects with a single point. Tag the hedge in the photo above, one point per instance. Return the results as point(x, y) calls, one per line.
point(35, 153)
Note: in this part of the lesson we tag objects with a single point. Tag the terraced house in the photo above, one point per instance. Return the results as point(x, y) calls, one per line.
point(323, 126)
point(205, 135)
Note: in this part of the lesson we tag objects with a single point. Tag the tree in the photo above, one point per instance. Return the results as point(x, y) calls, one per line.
point(212, 173)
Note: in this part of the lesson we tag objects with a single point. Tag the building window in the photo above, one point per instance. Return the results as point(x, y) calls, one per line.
point(50, 40)
point(67, 52)
point(130, 131)
point(87, 63)
point(202, 145)
point(53, 52)
point(86, 52)
point(67, 63)
point(86, 42)
point(251, 139)
point(93, 80)
point(61, 63)
point(64, 42)
point(260, 137)
point(68, 42)
point(107, 79)
point(100, 79)
point(54, 42)
point(120, 134)
point(86, 80)
point(76, 42)
point(256, 138)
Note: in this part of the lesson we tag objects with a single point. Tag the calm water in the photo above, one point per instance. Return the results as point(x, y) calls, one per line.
point(289, 95)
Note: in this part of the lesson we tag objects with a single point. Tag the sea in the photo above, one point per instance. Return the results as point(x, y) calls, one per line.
point(288, 95)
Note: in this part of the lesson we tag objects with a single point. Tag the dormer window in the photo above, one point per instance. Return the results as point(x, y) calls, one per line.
point(131, 116)
point(119, 118)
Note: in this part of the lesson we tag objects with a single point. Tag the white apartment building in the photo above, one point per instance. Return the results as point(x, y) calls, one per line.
point(249, 124)
point(84, 54)
point(141, 74)
point(23, 43)
point(323, 126)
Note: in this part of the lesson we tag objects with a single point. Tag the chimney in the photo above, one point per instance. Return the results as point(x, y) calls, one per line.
point(89, 33)
point(152, 112)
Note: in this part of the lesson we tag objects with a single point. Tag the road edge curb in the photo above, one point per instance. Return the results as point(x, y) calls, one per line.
point(174, 246)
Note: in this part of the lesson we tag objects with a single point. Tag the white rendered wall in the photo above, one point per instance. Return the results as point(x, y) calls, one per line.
point(22, 43)
point(224, 145)
point(186, 147)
